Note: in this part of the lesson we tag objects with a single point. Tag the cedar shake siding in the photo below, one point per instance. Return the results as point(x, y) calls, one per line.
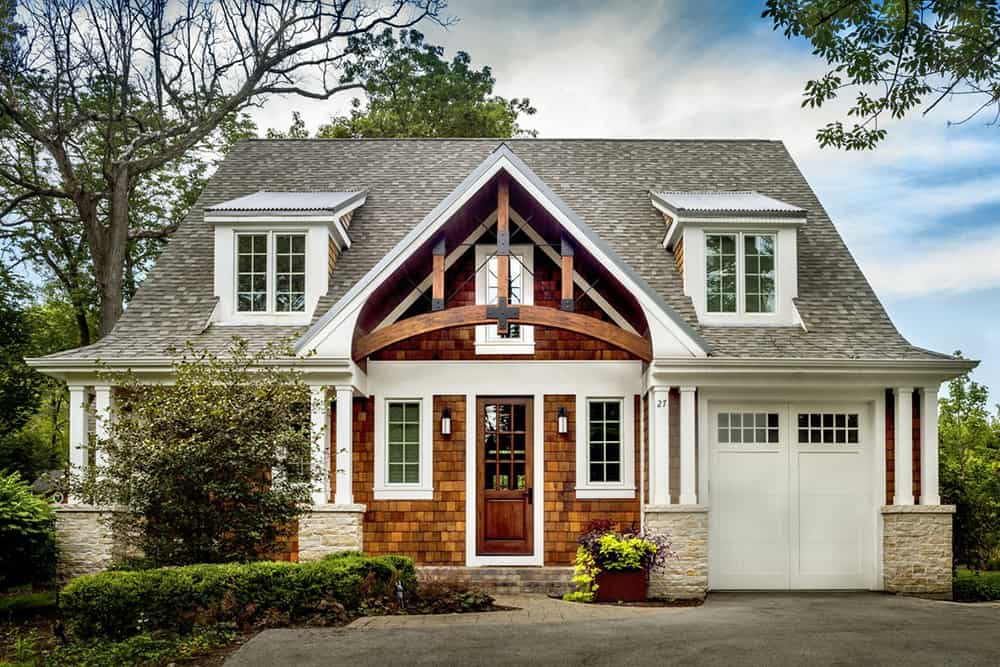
point(565, 516)
point(890, 446)
point(460, 343)
point(432, 532)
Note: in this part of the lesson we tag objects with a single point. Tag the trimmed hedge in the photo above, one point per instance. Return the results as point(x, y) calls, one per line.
point(120, 604)
point(976, 586)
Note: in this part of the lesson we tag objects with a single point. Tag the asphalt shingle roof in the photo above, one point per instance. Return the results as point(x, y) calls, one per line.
point(606, 182)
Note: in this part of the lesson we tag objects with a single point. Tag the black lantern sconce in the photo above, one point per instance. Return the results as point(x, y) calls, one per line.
point(446, 421)
point(563, 422)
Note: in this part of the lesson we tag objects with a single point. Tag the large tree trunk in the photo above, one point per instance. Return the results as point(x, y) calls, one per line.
point(110, 269)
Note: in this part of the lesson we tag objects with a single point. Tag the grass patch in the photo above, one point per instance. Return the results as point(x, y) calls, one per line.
point(28, 602)
point(972, 586)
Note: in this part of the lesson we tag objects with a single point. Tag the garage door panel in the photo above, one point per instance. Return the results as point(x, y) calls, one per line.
point(791, 512)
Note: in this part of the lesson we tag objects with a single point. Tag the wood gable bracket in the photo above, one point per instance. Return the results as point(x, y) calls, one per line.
point(566, 252)
point(437, 275)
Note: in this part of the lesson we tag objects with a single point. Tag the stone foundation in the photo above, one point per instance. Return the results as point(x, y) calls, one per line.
point(84, 539)
point(686, 573)
point(327, 529)
point(916, 550)
point(500, 580)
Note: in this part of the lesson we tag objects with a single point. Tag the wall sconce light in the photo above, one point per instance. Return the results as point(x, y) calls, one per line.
point(446, 421)
point(563, 422)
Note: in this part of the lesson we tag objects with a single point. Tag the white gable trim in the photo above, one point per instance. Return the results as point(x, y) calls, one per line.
point(662, 319)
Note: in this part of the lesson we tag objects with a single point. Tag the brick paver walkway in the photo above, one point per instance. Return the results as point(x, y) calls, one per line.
point(529, 609)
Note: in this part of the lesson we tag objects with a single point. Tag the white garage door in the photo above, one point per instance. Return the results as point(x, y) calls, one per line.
point(791, 504)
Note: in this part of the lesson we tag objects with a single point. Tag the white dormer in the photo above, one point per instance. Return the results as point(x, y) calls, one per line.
point(737, 252)
point(274, 252)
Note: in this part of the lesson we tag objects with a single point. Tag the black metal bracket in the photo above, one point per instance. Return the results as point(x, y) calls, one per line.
point(503, 312)
point(567, 305)
point(437, 304)
point(503, 242)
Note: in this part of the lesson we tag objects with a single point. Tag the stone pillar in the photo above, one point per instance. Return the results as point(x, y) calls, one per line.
point(916, 550)
point(929, 486)
point(685, 576)
point(78, 446)
point(344, 494)
point(328, 529)
point(659, 446)
point(904, 447)
point(84, 540)
point(319, 418)
point(689, 483)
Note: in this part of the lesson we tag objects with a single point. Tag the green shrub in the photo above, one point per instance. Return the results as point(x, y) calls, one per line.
point(27, 533)
point(976, 586)
point(121, 604)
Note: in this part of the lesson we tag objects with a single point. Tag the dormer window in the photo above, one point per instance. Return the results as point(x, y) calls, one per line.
point(271, 272)
point(737, 253)
point(740, 273)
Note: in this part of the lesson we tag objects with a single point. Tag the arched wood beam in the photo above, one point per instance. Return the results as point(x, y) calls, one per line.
point(534, 315)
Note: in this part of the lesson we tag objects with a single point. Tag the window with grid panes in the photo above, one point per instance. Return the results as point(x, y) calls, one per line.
point(605, 439)
point(403, 441)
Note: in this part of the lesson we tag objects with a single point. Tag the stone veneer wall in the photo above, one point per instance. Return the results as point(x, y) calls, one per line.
point(328, 529)
point(84, 539)
point(686, 573)
point(916, 549)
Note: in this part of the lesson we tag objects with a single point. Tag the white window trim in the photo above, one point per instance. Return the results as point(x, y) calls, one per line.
point(585, 489)
point(423, 489)
point(741, 312)
point(272, 266)
point(526, 343)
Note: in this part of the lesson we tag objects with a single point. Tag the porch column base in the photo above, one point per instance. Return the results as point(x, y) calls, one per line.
point(916, 550)
point(685, 575)
point(327, 529)
point(86, 541)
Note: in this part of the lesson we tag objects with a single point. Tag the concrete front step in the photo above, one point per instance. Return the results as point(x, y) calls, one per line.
point(501, 580)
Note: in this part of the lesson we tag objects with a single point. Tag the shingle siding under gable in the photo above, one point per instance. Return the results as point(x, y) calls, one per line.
point(606, 182)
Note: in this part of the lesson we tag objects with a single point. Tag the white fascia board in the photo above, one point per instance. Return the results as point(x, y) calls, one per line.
point(679, 222)
point(774, 373)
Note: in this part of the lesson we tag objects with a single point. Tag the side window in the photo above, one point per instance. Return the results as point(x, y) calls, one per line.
point(251, 273)
point(720, 259)
point(605, 440)
point(290, 273)
point(403, 441)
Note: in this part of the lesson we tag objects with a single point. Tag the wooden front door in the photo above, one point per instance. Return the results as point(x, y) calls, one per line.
point(504, 494)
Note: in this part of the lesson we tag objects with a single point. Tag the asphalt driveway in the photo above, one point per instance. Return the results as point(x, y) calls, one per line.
point(732, 628)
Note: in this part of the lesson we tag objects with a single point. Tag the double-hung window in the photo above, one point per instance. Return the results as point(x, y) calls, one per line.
point(270, 272)
point(404, 449)
point(740, 273)
point(605, 440)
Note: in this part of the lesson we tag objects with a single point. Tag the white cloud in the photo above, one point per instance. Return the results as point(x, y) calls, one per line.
point(951, 267)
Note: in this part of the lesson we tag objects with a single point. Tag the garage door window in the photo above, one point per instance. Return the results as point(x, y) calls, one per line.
point(828, 428)
point(748, 428)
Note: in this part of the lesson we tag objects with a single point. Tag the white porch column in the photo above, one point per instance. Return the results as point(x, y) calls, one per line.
point(903, 435)
point(78, 459)
point(659, 450)
point(689, 484)
point(929, 488)
point(103, 401)
point(345, 432)
point(319, 419)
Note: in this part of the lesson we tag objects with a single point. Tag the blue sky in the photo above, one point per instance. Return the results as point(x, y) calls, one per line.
point(921, 214)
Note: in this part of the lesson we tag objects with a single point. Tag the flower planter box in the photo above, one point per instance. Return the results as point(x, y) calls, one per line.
point(625, 586)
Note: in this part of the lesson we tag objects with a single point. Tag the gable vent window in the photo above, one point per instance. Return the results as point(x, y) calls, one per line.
point(519, 339)
point(740, 273)
point(270, 273)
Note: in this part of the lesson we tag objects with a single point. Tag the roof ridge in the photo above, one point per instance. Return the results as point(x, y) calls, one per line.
point(758, 140)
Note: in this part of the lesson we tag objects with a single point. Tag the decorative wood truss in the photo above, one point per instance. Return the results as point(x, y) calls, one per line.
point(503, 313)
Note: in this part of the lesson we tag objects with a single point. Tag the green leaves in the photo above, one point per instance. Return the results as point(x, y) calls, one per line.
point(413, 92)
point(214, 467)
point(899, 55)
point(27, 533)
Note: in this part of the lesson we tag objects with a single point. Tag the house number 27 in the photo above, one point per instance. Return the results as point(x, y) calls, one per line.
point(661, 402)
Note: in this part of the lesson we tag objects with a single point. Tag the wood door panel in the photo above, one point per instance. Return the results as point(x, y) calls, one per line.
point(504, 524)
